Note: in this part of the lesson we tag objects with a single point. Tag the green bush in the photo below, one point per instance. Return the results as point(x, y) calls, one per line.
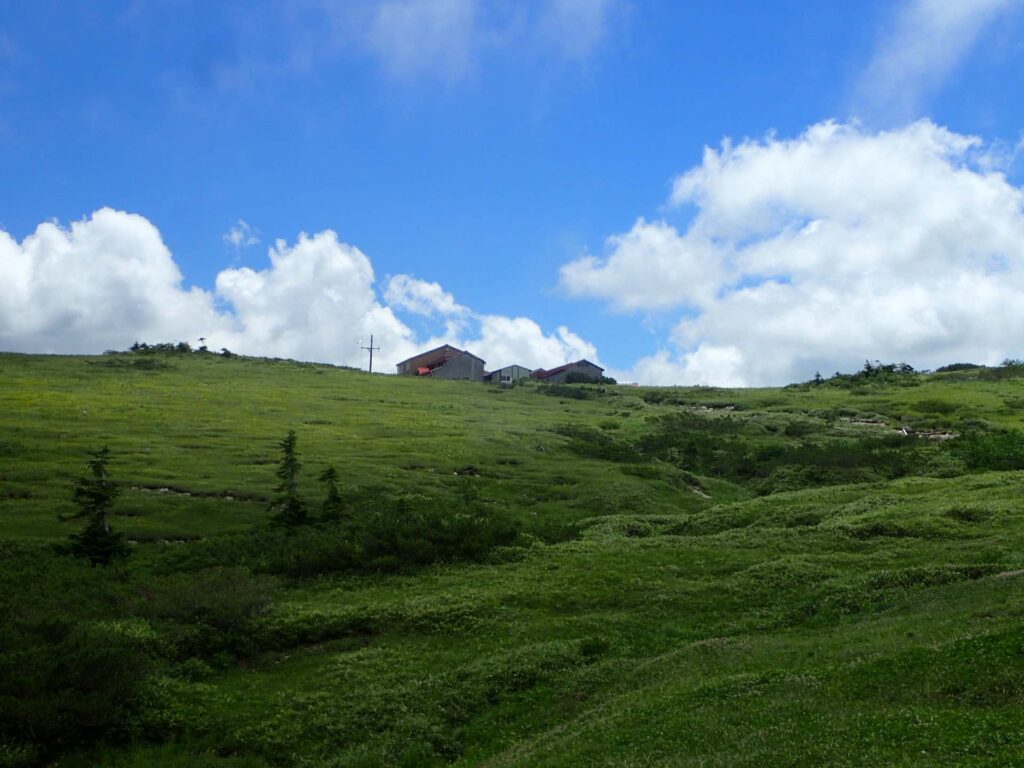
point(205, 612)
point(999, 449)
point(953, 367)
point(71, 663)
point(568, 391)
point(395, 534)
point(597, 444)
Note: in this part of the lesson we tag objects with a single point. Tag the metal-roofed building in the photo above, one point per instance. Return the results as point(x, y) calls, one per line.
point(508, 375)
point(444, 362)
point(579, 371)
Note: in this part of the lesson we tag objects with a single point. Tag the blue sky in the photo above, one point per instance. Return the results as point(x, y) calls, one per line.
point(505, 151)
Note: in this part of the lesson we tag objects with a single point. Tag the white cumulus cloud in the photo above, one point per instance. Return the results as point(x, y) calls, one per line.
point(650, 267)
point(315, 301)
point(421, 297)
point(521, 341)
point(109, 280)
point(818, 252)
point(103, 282)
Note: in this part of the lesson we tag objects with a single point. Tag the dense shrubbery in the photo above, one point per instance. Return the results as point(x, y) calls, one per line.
point(725, 447)
point(204, 613)
point(598, 444)
point(577, 377)
point(395, 535)
point(1008, 369)
point(990, 449)
point(900, 374)
point(70, 668)
point(568, 391)
point(166, 348)
point(79, 645)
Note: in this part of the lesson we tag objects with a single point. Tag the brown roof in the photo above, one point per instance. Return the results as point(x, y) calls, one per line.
point(540, 373)
point(434, 357)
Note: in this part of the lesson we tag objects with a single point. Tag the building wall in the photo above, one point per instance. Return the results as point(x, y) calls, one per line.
point(411, 366)
point(591, 371)
point(461, 367)
point(510, 374)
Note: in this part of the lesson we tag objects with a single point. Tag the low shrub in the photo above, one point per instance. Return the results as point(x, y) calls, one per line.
point(206, 612)
point(567, 391)
point(397, 534)
point(999, 449)
point(952, 367)
point(71, 664)
point(598, 444)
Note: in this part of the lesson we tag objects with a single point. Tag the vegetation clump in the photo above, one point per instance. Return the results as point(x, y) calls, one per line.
point(287, 508)
point(999, 449)
point(333, 506)
point(95, 494)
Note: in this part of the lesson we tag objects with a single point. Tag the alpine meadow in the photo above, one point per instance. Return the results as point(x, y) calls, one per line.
point(511, 384)
point(828, 573)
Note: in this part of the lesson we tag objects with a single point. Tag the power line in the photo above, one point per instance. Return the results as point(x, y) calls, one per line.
point(371, 349)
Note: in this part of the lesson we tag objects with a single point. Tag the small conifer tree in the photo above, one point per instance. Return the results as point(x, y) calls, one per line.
point(287, 507)
point(94, 495)
point(333, 505)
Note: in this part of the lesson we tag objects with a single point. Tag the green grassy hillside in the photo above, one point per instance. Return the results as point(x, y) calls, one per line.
point(664, 577)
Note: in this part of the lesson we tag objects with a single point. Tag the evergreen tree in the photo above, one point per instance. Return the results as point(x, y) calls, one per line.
point(286, 505)
point(333, 505)
point(94, 495)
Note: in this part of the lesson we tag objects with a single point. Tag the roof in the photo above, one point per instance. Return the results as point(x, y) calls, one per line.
point(540, 373)
point(436, 356)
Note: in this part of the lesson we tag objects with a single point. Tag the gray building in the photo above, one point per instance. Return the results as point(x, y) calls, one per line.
point(445, 362)
point(508, 375)
point(581, 370)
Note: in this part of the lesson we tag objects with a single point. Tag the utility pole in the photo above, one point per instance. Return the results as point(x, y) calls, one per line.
point(371, 350)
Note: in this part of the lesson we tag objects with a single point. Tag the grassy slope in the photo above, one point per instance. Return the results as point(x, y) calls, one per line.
point(209, 427)
point(851, 625)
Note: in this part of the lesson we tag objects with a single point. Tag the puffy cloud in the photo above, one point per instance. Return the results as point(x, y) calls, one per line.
point(821, 251)
point(109, 280)
point(708, 365)
point(241, 235)
point(421, 297)
point(650, 267)
point(104, 282)
point(497, 339)
point(520, 341)
point(314, 302)
point(925, 42)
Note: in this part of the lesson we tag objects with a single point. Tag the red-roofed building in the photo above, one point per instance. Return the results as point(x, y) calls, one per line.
point(445, 362)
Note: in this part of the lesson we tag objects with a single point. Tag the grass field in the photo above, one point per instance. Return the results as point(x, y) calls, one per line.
point(697, 577)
